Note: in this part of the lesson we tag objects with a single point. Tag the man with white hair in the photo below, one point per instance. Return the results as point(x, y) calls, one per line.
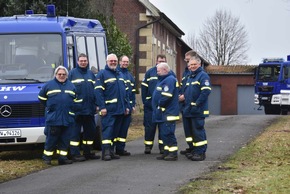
point(113, 102)
point(147, 87)
point(166, 110)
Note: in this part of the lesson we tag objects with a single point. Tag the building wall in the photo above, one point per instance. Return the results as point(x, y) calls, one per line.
point(127, 16)
point(229, 89)
point(153, 39)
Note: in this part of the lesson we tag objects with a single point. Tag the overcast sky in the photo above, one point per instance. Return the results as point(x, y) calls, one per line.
point(266, 21)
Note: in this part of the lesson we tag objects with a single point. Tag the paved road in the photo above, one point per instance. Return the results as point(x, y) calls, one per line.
point(140, 173)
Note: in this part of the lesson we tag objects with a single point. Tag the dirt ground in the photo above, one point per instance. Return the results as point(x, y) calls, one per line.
point(136, 128)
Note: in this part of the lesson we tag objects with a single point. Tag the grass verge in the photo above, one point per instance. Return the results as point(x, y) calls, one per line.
point(263, 166)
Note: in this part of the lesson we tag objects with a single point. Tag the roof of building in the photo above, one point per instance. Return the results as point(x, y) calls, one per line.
point(230, 69)
point(153, 11)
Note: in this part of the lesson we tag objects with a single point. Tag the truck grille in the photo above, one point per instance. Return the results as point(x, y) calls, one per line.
point(265, 88)
point(21, 114)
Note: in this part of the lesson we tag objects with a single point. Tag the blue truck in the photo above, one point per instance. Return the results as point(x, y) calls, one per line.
point(31, 47)
point(272, 85)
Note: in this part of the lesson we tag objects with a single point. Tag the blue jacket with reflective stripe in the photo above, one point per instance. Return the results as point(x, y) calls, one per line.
point(196, 94)
point(130, 81)
point(58, 99)
point(148, 85)
point(84, 81)
point(111, 91)
point(165, 99)
point(185, 75)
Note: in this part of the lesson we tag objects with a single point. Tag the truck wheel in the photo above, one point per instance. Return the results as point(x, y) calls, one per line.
point(272, 110)
point(284, 112)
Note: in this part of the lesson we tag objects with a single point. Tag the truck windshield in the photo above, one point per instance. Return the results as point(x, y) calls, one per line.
point(28, 57)
point(269, 73)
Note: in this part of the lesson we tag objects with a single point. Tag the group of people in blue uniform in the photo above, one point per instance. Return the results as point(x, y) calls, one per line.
point(164, 99)
point(72, 99)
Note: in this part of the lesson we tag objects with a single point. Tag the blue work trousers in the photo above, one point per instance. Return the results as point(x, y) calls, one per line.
point(123, 132)
point(150, 128)
point(199, 135)
point(57, 138)
point(110, 129)
point(167, 132)
point(187, 131)
point(86, 125)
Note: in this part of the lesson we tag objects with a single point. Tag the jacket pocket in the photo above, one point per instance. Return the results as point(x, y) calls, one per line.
point(195, 110)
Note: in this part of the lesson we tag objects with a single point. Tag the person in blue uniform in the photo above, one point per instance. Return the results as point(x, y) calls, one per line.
point(186, 128)
point(166, 110)
point(58, 97)
point(195, 109)
point(148, 85)
point(126, 121)
point(113, 102)
point(84, 80)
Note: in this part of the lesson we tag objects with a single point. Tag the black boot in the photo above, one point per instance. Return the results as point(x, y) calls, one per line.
point(162, 156)
point(123, 153)
point(64, 161)
point(113, 155)
point(147, 149)
point(187, 150)
point(91, 156)
point(161, 148)
point(106, 154)
point(198, 157)
point(171, 157)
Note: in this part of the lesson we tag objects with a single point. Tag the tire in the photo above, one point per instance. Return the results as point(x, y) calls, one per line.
point(284, 112)
point(272, 110)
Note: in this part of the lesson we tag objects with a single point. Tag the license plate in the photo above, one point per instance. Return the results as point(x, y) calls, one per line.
point(10, 133)
point(264, 98)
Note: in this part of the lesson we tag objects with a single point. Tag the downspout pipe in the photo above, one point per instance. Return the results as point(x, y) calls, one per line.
point(137, 52)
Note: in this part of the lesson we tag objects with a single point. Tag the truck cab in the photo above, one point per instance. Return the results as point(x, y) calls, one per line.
point(272, 85)
point(31, 47)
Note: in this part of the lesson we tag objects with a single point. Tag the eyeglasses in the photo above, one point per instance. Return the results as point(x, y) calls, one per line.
point(113, 61)
point(161, 61)
point(60, 74)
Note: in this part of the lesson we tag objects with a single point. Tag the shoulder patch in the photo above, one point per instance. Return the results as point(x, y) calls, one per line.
point(166, 88)
point(206, 83)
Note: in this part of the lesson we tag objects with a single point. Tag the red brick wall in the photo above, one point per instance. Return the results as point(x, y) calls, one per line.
point(126, 13)
point(229, 84)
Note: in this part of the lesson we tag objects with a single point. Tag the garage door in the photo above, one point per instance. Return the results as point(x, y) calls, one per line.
point(214, 100)
point(246, 105)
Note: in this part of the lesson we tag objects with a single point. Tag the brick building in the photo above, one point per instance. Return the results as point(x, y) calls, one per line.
point(150, 32)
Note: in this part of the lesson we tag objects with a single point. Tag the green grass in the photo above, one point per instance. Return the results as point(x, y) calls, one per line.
point(263, 166)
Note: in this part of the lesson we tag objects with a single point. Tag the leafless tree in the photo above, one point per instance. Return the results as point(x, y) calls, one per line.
point(191, 40)
point(223, 40)
point(102, 7)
